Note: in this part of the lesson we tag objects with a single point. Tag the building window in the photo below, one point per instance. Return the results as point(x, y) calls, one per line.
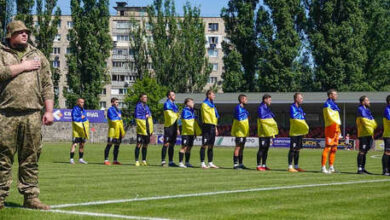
point(56, 50)
point(68, 50)
point(132, 66)
point(212, 52)
point(213, 26)
point(213, 40)
point(119, 51)
point(119, 64)
point(68, 37)
point(69, 24)
point(120, 78)
point(36, 24)
point(212, 79)
point(214, 66)
point(130, 78)
point(59, 24)
point(57, 38)
point(122, 91)
point(131, 52)
point(122, 37)
point(104, 91)
point(102, 104)
point(122, 13)
point(56, 64)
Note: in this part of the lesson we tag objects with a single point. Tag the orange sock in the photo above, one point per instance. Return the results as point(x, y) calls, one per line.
point(325, 154)
point(332, 155)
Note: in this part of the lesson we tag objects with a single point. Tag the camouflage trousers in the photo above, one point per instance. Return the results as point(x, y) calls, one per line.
point(20, 133)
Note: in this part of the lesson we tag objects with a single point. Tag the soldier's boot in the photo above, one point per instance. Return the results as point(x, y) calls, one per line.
point(35, 203)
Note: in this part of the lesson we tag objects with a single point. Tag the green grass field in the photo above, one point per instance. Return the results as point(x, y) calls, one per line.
point(279, 195)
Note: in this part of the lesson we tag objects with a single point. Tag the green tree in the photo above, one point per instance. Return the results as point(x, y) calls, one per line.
point(155, 92)
point(45, 32)
point(6, 14)
point(139, 48)
point(24, 10)
point(177, 49)
point(336, 30)
point(233, 75)
point(279, 29)
point(239, 17)
point(90, 45)
point(195, 65)
point(377, 16)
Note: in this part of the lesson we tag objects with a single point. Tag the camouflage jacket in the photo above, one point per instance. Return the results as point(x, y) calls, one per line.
point(28, 90)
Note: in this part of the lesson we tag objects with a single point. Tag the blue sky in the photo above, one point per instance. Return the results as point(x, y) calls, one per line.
point(209, 8)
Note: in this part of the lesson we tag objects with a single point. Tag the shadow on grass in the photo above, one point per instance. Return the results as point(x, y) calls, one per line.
point(13, 205)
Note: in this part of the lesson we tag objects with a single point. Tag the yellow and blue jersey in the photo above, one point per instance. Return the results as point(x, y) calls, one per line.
point(240, 127)
point(331, 113)
point(144, 124)
point(266, 124)
point(115, 123)
point(189, 122)
point(365, 122)
point(209, 112)
point(386, 122)
point(171, 113)
point(80, 126)
point(298, 125)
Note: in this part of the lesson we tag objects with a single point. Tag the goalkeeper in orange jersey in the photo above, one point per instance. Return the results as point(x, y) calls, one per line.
point(332, 131)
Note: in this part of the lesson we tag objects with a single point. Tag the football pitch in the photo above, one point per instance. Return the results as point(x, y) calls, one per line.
point(96, 191)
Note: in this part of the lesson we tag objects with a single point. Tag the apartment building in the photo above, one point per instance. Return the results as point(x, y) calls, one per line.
point(121, 63)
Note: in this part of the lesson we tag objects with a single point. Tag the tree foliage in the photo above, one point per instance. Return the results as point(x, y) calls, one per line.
point(155, 93)
point(307, 45)
point(139, 48)
point(45, 31)
point(24, 9)
point(377, 68)
point(336, 31)
point(233, 75)
point(239, 18)
point(178, 47)
point(280, 31)
point(90, 45)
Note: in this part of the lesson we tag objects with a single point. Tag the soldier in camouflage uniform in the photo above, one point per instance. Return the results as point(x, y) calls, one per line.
point(25, 89)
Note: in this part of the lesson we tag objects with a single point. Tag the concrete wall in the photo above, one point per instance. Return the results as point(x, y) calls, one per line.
point(62, 132)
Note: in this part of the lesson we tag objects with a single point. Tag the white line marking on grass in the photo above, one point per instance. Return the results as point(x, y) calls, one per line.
point(95, 214)
point(104, 215)
point(376, 156)
point(213, 193)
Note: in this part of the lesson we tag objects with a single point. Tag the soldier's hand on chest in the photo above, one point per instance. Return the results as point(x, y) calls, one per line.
point(30, 65)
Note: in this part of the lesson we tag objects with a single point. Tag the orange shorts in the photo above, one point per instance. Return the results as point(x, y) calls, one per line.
point(332, 134)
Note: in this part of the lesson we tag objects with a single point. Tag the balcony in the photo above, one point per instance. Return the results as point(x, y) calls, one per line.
point(120, 57)
point(118, 83)
point(121, 30)
point(122, 70)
